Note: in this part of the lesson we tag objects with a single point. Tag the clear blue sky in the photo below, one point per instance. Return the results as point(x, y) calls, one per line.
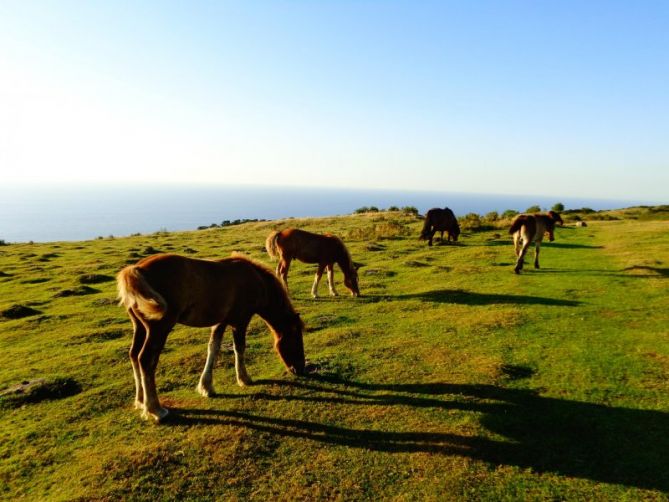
point(555, 98)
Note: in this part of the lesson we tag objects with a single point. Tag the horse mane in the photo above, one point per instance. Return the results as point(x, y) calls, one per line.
point(266, 273)
point(347, 253)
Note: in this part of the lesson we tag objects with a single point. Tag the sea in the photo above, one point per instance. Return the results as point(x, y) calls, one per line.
point(42, 213)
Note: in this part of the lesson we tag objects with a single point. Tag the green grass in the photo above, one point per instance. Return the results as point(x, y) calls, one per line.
point(451, 378)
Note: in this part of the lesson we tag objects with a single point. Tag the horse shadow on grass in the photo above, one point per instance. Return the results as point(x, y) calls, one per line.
point(568, 245)
point(471, 298)
point(547, 435)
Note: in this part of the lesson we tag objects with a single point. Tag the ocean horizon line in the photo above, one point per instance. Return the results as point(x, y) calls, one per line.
point(67, 212)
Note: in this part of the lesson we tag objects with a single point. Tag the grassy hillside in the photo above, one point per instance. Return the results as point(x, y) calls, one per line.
point(451, 378)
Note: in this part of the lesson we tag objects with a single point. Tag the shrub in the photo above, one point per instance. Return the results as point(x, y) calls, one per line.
point(410, 210)
point(470, 221)
point(558, 207)
point(533, 209)
point(492, 216)
point(509, 213)
point(393, 208)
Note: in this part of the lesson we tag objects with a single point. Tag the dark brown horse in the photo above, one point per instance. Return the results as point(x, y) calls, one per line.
point(325, 250)
point(532, 227)
point(440, 220)
point(165, 289)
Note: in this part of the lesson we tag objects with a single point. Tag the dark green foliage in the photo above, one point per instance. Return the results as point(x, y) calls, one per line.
point(533, 209)
point(18, 312)
point(94, 278)
point(558, 207)
point(29, 392)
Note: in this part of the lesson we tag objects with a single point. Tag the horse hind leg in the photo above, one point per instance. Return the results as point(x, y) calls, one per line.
point(138, 338)
point(205, 386)
point(517, 240)
point(239, 344)
point(282, 270)
point(536, 254)
point(521, 257)
point(148, 361)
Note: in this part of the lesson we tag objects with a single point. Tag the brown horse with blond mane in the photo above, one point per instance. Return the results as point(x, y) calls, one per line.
point(163, 290)
point(325, 250)
point(532, 227)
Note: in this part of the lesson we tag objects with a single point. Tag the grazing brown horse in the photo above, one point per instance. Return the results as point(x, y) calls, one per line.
point(325, 250)
point(440, 220)
point(532, 227)
point(166, 289)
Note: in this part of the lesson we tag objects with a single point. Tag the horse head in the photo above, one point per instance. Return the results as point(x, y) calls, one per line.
point(351, 279)
point(455, 232)
point(556, 217)
point(289, 343)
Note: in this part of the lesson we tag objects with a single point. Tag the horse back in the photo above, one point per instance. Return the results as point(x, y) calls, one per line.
point(441, 219)
point(309, 247)
point(526, 221)
point(203, 292)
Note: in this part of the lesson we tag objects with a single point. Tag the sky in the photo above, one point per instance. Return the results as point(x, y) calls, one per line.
point(566, 98)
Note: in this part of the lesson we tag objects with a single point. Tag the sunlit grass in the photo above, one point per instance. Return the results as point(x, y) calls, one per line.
point(450, 378)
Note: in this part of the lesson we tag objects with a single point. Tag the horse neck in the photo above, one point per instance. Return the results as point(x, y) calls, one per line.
point(276, 307)
point(344, 261)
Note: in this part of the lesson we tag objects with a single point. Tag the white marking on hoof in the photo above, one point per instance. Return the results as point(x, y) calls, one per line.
point(244, 381)
point(204, 391)
point(139, 405)
point(159, 415)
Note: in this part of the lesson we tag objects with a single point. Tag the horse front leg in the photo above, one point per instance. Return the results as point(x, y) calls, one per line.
point(317, 280)
point(148, 361)
point(330, 271)
point(239, 344)
point(431, 234)
point(138, 338)
point(205, 386)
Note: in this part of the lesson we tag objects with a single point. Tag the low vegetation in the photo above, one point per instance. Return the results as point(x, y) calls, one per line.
point(452, 378)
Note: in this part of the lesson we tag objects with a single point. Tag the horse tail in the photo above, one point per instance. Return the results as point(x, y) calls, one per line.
point(425, 232)
point(517, 224)
point(271, 244)
point(134, 292)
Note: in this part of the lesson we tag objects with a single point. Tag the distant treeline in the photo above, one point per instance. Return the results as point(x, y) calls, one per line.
point(229, 223)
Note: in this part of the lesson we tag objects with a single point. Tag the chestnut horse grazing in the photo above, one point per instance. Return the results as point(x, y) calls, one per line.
point(532, 227)
point(166, 289)
point(440, 220)
point(325, 250)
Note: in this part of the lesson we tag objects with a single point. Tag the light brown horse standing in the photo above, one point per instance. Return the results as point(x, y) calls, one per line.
point(325, 250)
point(532, 227)
point(165, 289)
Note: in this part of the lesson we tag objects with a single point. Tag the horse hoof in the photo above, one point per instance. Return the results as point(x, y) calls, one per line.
point(139, 405)
point(205, 392)
point(244, 382)
point(160, 415)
